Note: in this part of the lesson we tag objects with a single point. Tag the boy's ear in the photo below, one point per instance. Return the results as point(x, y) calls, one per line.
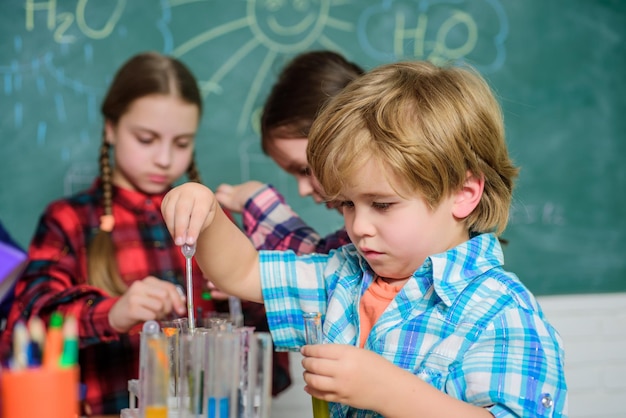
point(468, 197)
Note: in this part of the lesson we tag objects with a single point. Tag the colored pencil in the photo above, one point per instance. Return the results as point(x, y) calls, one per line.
point(21, 341)
point(69, 355)
point(37, 331)
point(54, 341)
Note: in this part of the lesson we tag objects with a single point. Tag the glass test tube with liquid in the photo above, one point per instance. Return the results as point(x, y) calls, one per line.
point(221, 374)
point(154, 372)
point(313, 335)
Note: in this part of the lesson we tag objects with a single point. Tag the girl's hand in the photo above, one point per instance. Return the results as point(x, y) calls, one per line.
point(216, 293)
point(235, 197)
point(187, 210)
point(146, 299)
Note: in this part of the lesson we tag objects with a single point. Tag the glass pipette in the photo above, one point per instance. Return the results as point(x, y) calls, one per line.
point(188, 252)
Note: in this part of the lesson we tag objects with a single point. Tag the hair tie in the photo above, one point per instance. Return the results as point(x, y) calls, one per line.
point(107, 222)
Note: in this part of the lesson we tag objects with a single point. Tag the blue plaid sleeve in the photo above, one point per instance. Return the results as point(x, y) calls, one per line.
point(516, 366)
point(291, 285)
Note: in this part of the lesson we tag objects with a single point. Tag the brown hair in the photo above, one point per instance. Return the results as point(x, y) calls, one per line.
point(428, 125)
point(142, 75)
point(303, 86)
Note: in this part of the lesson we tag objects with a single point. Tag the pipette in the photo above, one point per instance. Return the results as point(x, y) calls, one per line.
point(188, 252)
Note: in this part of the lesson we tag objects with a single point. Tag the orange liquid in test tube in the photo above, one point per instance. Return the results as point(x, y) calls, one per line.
point(156, 412)
point(154, 372)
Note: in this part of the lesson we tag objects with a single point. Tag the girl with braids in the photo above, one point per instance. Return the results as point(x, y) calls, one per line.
point(104, 255)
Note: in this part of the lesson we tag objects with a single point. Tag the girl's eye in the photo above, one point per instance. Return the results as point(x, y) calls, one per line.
point(346, 204)
point(305, 171)
point(144, 137)
point(183, 144)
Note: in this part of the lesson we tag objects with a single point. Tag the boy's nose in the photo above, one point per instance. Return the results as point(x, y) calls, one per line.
point(361, 224)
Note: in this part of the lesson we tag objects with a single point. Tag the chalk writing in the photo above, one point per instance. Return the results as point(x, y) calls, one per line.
point(60, 23)
point(548, 213)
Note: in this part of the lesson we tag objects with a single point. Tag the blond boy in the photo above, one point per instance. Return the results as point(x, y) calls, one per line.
point(420, 318)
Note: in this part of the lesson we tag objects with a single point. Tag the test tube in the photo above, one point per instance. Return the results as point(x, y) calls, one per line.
point(149, 328)
point(218, 323)
point(186, 396)
point(313, 335)
point(246, 346)
point(258, 394)
point(313, 327)
point(236, 314)
point(154, 372)
point(221, 374)
point(174, 330)
point(198, 353)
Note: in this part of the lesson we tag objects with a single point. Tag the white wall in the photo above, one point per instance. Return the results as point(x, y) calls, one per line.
point(593, 328)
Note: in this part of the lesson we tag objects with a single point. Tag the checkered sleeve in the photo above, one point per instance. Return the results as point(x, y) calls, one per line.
point(291, 285)
point(271, 224)
point(515, 368)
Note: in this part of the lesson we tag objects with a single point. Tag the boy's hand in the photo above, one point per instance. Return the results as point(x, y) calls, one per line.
point(347, 374)
point(144, 300)
point(234, 198)
point(224, 253)
point(187, 210)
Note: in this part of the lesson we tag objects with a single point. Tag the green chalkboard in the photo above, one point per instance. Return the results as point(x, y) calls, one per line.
point(558, 67)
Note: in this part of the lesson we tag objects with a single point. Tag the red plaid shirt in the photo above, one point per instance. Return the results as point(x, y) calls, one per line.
point(56, 279)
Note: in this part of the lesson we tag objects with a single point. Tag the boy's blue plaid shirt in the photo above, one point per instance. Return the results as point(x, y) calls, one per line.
point(462, 324)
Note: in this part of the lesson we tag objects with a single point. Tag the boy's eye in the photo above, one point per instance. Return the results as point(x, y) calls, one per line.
point(381, 206)
point(305, 171)
point(346, 204)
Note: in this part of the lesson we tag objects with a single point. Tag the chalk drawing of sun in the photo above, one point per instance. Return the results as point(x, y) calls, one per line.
point(281, 27)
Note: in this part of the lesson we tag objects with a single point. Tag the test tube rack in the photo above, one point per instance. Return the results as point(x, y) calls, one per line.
point(233, 366)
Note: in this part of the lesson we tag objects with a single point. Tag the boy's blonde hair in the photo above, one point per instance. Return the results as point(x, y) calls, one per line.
point(427, 125)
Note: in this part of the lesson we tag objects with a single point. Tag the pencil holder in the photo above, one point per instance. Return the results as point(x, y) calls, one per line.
point(40, 392)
